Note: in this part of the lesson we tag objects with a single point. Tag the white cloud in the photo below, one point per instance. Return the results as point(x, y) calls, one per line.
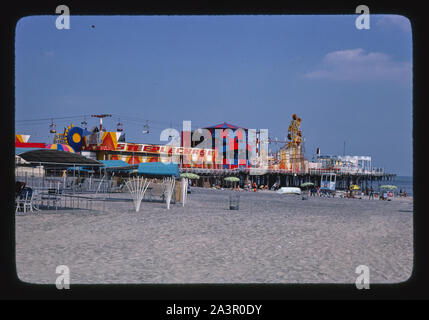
point(357, 65)
point(393, 21)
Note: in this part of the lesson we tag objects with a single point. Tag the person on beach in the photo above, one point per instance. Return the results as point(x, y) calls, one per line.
point(18, 188)
point(371, 193)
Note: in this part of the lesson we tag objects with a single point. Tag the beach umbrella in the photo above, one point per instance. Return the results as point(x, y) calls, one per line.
point(60, 147)
point(354, 187)
point(189, 175)
point(389, 187)
point(307, 184)
point(232, 179)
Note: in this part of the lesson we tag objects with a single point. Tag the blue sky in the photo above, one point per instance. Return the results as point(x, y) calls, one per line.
point(253, 71)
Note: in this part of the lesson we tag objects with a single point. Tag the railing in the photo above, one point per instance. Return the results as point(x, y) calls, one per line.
point(72, 185)
point(57, 201)
point(53, 199)
point(319, 171)
point(372, 171)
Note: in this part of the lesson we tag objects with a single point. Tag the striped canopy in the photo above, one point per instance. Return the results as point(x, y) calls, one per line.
point(60, 147)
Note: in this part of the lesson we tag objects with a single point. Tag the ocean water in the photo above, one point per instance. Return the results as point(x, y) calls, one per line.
point(402, 182)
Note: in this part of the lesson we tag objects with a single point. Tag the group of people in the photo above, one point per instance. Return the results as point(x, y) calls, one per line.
point(402, 194)
point(254, 187)
point(247, 187)
point(383, 196)
point(314, 191)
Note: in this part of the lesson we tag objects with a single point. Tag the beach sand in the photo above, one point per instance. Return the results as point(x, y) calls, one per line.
point(273, 238)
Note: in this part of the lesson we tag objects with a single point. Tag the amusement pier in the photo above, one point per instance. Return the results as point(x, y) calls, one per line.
point(79, 152)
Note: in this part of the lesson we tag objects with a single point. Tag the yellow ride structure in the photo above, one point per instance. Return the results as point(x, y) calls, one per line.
point(291, 157)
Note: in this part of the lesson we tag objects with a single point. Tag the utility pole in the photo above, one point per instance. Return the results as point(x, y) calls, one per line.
point(344, 149)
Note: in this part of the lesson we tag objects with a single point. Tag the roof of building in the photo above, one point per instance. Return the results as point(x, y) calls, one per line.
point(57, 158)
point(19, 150)
point(225, 126)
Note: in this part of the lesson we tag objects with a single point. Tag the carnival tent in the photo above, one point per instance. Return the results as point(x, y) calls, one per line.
point(236, 161)
point(117, 166)
point(60, 147)
point(223, 126)
point(158, 169)
point(114, 163)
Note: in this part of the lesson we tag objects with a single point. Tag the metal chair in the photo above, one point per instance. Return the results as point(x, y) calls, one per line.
point(25, 199)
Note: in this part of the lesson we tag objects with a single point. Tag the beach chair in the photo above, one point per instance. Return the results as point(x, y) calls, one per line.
point(119, 188)
point(35, 200)
point(155, 192)
point(25, 200)
point(54, 196)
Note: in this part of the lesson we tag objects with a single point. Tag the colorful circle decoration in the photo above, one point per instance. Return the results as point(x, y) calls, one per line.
point(75, 138)
point(60, 147)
